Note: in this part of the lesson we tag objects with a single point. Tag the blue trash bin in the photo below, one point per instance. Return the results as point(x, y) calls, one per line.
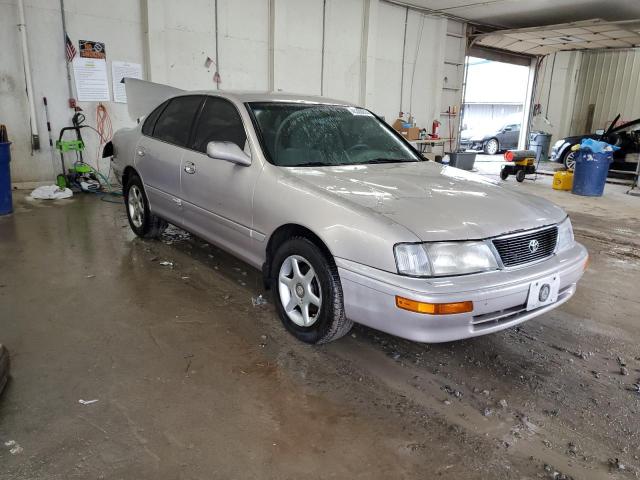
point(6, 204)
point(590, 173)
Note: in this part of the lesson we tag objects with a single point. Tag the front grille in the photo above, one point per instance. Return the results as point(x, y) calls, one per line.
point(518, 249)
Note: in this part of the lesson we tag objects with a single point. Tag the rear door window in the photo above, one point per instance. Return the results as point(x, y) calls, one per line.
point(218, 122)
point(152, 118)
point(174, 124)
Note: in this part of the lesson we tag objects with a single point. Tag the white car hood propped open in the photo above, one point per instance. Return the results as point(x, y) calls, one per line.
point(144, 96)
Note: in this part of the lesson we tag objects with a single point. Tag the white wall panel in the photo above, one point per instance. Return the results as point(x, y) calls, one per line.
point(388, 61)
point(424, 66)
point(244, 44)
point(180, 40)
point(556, 92)
point(343, 42)
point(298, 46)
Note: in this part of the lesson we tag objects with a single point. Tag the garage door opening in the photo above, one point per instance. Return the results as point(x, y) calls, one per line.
point(493, 114)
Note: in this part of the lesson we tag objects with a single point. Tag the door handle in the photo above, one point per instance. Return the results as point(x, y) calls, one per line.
point(190, 167)
point(140, 152)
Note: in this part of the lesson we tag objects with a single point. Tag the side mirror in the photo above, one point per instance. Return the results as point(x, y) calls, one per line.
point(228, 151)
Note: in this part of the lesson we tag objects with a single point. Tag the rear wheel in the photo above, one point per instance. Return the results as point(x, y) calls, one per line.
point(308, 293)
point(504, 173)
point(141, 220)
point(491, 146)
point(520, 176)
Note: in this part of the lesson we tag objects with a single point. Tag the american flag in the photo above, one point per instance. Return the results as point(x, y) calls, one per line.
point(69, 48)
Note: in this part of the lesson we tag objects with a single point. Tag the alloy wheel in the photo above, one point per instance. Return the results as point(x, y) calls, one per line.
point(491, 147)
point(299, 290)
point(570, 160)
point(135, 204)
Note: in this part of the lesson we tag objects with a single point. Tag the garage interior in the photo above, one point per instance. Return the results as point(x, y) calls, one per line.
point(138, 358)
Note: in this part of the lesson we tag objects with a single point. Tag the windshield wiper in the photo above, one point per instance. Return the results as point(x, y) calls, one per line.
point(389, 160)
point(312, 164)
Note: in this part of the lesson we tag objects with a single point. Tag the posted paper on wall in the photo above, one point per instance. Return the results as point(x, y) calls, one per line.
point(92, 83)
point(120, 70)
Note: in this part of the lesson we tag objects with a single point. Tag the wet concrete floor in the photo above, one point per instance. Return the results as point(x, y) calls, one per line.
point(191, 380)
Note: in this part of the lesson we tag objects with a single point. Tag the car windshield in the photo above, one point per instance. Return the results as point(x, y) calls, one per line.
point(306, 135)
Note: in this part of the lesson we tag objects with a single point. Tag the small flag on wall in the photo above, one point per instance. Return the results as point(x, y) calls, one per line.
point(70, 49)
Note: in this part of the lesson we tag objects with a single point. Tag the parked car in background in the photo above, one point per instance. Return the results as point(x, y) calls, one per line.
point(624, 136)
point(493, 141)
point(347, 222)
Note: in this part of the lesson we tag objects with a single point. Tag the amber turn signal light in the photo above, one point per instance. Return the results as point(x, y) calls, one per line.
point(433, 308)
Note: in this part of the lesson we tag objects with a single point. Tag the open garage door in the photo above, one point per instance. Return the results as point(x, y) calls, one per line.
point(496, 100)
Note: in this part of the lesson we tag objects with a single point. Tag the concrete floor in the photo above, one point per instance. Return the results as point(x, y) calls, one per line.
point(193, 381)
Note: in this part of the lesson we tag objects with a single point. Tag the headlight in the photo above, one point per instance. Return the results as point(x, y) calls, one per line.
point(565, 236)
point(443, 258)
point(558, 144)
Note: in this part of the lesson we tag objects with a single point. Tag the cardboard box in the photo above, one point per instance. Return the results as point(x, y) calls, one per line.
point(397, 125)
point(411, 134)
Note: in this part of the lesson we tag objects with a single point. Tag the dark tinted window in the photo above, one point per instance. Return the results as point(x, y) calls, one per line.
point(152, 118)
point(174, 123)
point(219, 122)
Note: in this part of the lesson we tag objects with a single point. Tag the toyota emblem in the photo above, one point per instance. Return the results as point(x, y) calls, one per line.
point(534, 245)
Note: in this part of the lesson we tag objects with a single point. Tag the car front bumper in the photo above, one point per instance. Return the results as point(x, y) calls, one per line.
point(499, 297)
point(471, 144)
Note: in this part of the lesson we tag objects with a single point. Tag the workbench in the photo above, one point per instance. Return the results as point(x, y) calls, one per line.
point(427, 145)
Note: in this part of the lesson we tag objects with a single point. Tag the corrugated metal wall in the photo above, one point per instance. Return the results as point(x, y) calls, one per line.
point(608, 80)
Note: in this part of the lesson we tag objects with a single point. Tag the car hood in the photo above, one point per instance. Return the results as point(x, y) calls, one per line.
point(436, 202)
point(475, 135)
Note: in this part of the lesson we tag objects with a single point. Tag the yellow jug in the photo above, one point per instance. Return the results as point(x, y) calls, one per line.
point(563, 180)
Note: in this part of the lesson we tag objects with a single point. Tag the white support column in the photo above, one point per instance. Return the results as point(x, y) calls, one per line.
point(272, 40)
point(524, 129)
point(368, 52)
point(22, 27)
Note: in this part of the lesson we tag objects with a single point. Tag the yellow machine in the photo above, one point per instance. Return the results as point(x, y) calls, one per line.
point(521, 163)
point(563, 180)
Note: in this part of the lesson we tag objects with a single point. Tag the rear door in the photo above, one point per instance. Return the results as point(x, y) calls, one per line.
point(159, 154)
point(217, 194)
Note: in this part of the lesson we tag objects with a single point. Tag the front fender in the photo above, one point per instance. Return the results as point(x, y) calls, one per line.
point(560, 152)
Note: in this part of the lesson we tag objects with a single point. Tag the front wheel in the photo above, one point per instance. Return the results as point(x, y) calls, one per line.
point(308, 293)
point(504, 173)
point(491, 146)
point(569, 158)
point(520, 176)
point(141, 220)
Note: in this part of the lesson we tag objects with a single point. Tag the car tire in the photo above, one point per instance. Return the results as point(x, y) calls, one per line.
point(569, 158)
point(520, 174)
point(304, 278)
point(491, 146)
point(143, 223)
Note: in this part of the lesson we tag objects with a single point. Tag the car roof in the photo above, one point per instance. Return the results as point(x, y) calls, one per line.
point(249, 96)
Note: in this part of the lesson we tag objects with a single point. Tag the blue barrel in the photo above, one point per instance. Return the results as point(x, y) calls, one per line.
point(6, 204)
point(590, 173)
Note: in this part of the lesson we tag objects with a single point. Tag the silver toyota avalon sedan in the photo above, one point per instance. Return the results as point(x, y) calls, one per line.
point(347, 222)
